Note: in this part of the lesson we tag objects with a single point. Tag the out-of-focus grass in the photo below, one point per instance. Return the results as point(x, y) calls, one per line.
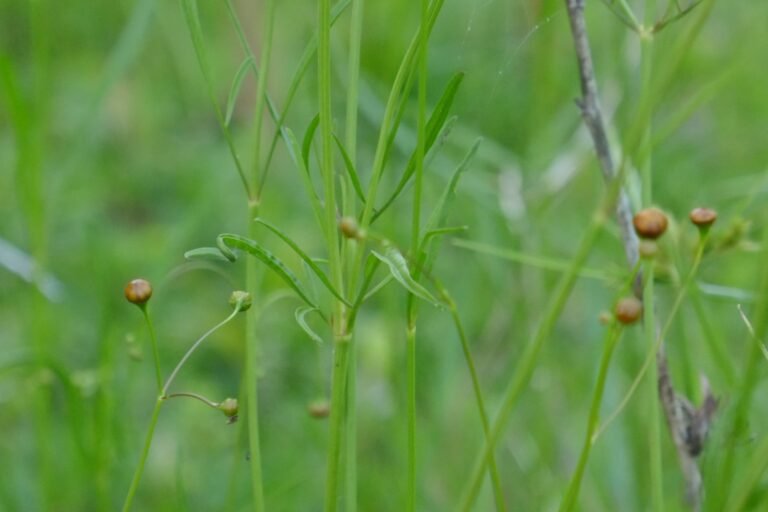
point(133, 171)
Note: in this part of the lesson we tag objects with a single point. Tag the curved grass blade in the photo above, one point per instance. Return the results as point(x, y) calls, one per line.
point(309, 261)
point(309, 136)
point(434, 127)
point(234, 90)
point(205, 253)
point(301, 319)
point(227, 242)
point(399, 269)
point(350, 167)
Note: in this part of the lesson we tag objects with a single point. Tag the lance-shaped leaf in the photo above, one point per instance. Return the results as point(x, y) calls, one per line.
point(434, 127)
point(399, 269)
point(234, 90)
point(351, 171)
point(309, 261)
point(309, 136)
point(301, 319)
point(227, 242)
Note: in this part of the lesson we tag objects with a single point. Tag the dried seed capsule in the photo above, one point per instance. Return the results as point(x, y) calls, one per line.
point(628, 310)
point(650, 223)
point(138, 291)
point(703, 217)
point(242, 298)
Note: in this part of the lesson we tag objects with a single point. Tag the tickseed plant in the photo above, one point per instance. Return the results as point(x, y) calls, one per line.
point(138, 292)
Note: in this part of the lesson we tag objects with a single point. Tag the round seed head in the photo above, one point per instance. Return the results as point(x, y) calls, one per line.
point(703, 217)
point(319, 409)
point(650, 223)
point(629, 310)
point(242, 298)
point(138, 291)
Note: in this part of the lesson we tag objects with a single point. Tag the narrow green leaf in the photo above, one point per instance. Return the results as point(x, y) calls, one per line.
point(294, 151)
point(308, 260)
point(234, 90)
point(205, 253)
point(306, 143)
point(350, 167)
point(301, 319)
point(399, 269)
point(438, 213)
point(227, 242)
point(434, 127)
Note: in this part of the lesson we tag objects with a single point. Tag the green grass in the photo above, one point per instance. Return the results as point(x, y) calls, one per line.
point(132, 132)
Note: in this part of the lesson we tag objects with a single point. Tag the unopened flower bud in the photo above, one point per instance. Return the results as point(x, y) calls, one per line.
point(628, 310)
point(241, 299)
point(349, 228)
point(138, 292)
point(650, 223)
point(703, 218)
point(230, 409)
point(319, 409)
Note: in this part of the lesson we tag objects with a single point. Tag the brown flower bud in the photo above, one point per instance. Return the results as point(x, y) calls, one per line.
point(319, 409)
point(650, 223)
point(628, 310)
point(138, 291)
point(349, 228)
point(703, 217)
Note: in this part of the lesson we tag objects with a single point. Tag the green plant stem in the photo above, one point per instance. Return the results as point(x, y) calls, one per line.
point(338, 399)
point(649, 311)
point(251, 374)
point(197, 397)
point(746, 390)
point(350, 137)
point(144, 454)
point(411, 405)
point(155, 351)
point(654, 417)
point(188, 354)
point(612, 336)
point(498, 492)
point(527, 362)
point(261, 91)
point(658, 340)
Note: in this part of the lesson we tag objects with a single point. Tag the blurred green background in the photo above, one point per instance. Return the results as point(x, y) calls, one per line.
point(112, 165)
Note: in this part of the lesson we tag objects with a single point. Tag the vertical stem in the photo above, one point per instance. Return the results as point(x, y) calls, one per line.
point(353, 77)
point(144, 454)
point(609, 344)
point(415, 236)
point(153, 342)
point(649, 315)
point(251, 373)
point(341, 338)
point(261, 91)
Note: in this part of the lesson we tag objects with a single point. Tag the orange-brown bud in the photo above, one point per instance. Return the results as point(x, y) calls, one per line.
point(349, 228)
point(138, 291)
point(703, 217)
point(629, 310)
point(650, 223)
